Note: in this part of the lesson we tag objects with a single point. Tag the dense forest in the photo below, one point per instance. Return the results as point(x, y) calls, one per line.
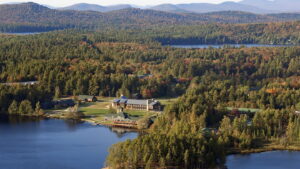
point(261, 33)
point(77, 63)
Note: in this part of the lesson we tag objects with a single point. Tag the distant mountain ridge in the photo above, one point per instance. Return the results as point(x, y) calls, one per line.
point(253, 6)
point(28, 17)
point(207, 7)
point(95, 7)
point(84, 7)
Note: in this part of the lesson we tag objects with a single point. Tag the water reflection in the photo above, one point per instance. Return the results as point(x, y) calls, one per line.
point(55, 144)
point(121, 132)
point(18, 119)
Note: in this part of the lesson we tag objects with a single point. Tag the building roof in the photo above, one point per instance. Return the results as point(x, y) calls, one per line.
point(83, 97)
point(139, 102)
point(123, 101)
point(135, 102)
point(144, 76)
point(123, 97)
point(116, 100)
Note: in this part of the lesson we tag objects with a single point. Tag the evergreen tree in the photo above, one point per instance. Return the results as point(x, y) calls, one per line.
point(57, 94)
point(38, 110)
point(25, 108)
point(13, 108)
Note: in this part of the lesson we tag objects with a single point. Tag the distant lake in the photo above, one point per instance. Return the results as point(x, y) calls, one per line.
point(266, 160)
point(227, 45)
point(24, 33)
point(55, 144)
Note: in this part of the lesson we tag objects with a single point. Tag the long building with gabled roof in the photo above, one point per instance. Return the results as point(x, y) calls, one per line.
point(134, 104)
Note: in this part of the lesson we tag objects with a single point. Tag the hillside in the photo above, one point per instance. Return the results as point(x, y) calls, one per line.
point(207, 7)
point(28, 17)
point(253, 6)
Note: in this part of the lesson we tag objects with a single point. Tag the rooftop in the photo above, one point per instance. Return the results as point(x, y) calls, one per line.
point(135, 101)
point(85, 97)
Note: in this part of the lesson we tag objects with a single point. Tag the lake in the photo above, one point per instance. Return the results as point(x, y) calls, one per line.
point(225, 45)
point(55, 144)
point(23, 33)
point(266, 160)
point(59, 144)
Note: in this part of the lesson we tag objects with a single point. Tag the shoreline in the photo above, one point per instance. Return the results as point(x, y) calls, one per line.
point(272, 146)
point(267, 148)
point(92, 122)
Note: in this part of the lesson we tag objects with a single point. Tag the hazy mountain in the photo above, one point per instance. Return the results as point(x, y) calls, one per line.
point(95, 7)
point(117, 7)
point(84, 7)
point(253, 6)
point(168, 8)
point(275, 5)
point(207, 7)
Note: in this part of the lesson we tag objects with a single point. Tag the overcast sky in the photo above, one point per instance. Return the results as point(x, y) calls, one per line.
point(60, 3)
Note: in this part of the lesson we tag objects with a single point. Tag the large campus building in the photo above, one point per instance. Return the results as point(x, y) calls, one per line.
point(134, 104)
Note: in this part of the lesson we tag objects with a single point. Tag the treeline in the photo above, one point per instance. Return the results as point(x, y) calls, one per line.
point(29, 28)
point(25, 109)
point(22, 100)
point(261, 33)
point(256, 33)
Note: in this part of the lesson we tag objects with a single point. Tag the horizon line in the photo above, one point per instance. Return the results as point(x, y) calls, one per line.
point(131, 4)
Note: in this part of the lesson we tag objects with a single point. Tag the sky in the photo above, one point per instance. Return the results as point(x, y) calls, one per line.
point(61, 3)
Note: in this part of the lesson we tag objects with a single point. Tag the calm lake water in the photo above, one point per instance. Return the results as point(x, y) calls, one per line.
point(55, 144)
point(224, 45)
point(59, 144)
point(266, 160)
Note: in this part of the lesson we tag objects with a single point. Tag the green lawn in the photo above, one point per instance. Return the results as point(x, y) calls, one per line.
point(94, 112)
point(98, 111)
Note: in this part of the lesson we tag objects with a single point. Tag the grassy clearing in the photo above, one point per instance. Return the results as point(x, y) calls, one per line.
point(167, 101)
point(94, 112)
point(102, 108)
point(97, 111)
